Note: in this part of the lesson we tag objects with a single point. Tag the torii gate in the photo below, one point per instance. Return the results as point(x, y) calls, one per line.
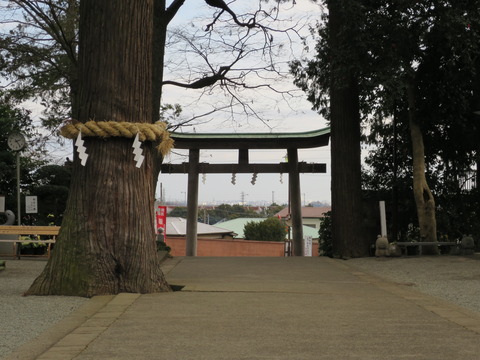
point(244, 142)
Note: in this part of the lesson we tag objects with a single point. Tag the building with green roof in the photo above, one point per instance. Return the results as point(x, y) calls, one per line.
point(237, 226)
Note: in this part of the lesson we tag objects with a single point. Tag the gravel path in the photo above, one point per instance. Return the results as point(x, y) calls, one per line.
point(452, 278)
point(24, 317)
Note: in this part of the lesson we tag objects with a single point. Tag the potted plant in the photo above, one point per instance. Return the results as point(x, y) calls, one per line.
point(32, 248)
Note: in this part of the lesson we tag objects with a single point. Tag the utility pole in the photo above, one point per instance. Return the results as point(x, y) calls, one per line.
point(242, 197)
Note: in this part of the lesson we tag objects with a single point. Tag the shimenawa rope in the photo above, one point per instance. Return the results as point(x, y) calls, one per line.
point(146, 132)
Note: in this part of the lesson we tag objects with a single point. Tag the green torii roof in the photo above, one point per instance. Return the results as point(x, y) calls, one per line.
point(309, 139)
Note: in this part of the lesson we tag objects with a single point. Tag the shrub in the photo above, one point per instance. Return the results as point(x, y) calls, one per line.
point(271, 229)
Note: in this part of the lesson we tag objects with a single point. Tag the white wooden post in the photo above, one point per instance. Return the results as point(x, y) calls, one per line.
point(383, 219)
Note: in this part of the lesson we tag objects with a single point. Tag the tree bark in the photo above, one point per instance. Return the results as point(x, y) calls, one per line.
point(424, 200)
point(348, 236)
point(107, 242)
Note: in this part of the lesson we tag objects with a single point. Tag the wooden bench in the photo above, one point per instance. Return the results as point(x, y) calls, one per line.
point(426, 243)
point(20, 231)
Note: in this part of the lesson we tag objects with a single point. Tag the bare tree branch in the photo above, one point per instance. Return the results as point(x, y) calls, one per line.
point(220, 4)
point(172, 9)
point(203, 82)
point(258, 50)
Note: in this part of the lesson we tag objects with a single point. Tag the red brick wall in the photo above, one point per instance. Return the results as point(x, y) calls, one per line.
point(222, 247)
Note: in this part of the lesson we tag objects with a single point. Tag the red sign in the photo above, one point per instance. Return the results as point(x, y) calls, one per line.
point(161, 218)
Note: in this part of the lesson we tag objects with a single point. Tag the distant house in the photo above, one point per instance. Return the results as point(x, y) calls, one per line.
point(177, 227)
point(256, 209)
point(237, 226)
point(310, 216)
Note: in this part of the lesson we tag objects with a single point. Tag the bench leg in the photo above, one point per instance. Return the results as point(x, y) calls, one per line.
point(16, 250)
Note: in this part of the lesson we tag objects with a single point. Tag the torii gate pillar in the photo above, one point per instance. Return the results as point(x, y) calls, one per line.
point(192, 202)
point(295, 202)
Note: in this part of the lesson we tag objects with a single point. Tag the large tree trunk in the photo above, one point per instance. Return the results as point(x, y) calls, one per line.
point(423, 196)
point(348, 236)
point(107, 241)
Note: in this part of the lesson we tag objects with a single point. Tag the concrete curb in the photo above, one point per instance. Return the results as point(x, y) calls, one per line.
point(72, 344)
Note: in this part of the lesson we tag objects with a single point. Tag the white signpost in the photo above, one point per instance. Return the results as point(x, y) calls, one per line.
point(2, 204)
point(31, 205)
point(308, 246)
